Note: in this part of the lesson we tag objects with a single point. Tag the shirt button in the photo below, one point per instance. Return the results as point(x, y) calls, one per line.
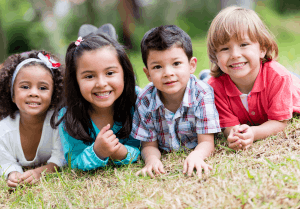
point(253, 113)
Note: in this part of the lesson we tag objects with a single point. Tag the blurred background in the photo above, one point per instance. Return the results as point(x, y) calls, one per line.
point(52, 24)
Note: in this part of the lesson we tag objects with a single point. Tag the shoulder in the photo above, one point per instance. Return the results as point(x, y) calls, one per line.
point(198, 89)
point(217, 81)
point(8, 125)
point(146, 95)
point(273, 68)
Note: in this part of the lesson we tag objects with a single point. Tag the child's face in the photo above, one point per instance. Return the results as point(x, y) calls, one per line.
point(33, 88)
point(100, 77)
point(240, 59)
point(170, 70)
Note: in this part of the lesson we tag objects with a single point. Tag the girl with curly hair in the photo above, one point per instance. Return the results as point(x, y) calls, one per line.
point(30, 86)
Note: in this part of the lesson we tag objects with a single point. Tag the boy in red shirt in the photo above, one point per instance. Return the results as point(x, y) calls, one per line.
point(255, 95)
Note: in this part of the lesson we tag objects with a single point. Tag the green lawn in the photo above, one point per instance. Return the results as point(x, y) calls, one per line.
point(265, 176)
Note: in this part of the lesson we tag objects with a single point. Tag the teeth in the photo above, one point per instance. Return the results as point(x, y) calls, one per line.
point(103, 94)
point(33, 103)
point(238, 65)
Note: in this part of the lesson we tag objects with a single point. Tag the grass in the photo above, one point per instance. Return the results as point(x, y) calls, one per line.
point(265, 176)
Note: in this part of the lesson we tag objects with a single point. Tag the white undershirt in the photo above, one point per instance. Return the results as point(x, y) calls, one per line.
point(244, 99)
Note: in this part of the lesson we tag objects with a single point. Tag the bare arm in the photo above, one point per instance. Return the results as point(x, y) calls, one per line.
point(242, 136)
point(151, 156)
point(196, 158)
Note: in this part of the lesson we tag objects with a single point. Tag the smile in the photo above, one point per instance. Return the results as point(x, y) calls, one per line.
point(33, 103)
point(104, 94)
point(238, 65)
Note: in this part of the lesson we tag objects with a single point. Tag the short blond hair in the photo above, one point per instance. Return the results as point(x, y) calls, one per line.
point(233, 22)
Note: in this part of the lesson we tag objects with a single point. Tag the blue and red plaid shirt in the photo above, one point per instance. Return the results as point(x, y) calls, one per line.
point(197, 114)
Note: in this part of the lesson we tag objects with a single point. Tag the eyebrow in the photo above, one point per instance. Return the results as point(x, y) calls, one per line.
point(156, 62)
point(91, 71)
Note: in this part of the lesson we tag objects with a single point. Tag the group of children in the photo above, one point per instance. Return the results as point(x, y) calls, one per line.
point(104, 116)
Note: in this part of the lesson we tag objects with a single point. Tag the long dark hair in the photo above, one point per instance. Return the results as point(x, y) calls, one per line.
point(76, 117)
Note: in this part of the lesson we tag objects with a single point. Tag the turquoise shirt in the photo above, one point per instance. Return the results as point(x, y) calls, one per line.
point(83, 156)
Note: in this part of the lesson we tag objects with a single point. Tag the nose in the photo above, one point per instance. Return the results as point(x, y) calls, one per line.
point(235, 53)
point(168, 71)
point(101, 82)
point(34, 92)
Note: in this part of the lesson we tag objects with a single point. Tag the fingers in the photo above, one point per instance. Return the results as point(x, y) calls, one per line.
point(189, 167)
point(11, 183)
point(243, 128)
point(104, 129)
point(157, 168)
point(235, 144)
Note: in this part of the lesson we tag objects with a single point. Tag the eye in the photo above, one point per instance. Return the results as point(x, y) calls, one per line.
point(110, 73)
point(43, 88)
point(244, 44)
point(157, 67)
point(89, 76)
point(176, 63)
point(223, 49)
point(24, 87)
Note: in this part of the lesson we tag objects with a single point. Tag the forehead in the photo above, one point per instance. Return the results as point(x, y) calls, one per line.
point(104, 55)
point(172, 53)
point(34, 73)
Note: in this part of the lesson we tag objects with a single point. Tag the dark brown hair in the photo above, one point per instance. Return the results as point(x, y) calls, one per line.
point(7, 106)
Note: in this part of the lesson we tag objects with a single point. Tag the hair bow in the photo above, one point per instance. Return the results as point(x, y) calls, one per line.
point(48, 61)
point(78, 41)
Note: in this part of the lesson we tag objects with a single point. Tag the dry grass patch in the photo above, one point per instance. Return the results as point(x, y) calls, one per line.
point(265, 176)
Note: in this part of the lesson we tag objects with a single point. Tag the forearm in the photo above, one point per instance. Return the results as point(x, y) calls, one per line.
point(271, 127)
point(49, 168)
point(150, 152)
point(120, 154)
point(205, 145)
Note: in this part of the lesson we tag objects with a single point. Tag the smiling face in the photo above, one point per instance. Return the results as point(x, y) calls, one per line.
point(170, 70)
point(33, 88)
point(240, 59)
point(100, 77)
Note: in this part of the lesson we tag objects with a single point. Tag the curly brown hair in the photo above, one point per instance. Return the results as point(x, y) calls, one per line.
point(7, 106)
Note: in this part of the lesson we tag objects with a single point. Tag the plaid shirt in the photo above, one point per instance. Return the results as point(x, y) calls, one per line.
point(197, 114)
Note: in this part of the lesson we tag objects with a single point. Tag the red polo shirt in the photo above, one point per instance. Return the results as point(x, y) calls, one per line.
point(275, 96)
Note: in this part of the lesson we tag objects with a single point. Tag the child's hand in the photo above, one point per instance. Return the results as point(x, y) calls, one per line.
point(106, 143)
point(31, 176)
point(234, 142)
point(245, 133)
point(14, 179)
point(152, 163)
point(194, 160)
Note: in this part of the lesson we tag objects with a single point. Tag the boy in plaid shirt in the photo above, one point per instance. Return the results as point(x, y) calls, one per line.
point(176, 110)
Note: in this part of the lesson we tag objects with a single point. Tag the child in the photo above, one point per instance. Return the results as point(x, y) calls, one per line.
point(176, 110)
point(30, 86)
point(100, 95)
point(255, 95)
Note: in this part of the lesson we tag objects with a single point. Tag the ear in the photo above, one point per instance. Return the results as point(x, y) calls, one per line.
point(13, 99)
point(193, 65)
point(146, 71)
point(262, 53)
